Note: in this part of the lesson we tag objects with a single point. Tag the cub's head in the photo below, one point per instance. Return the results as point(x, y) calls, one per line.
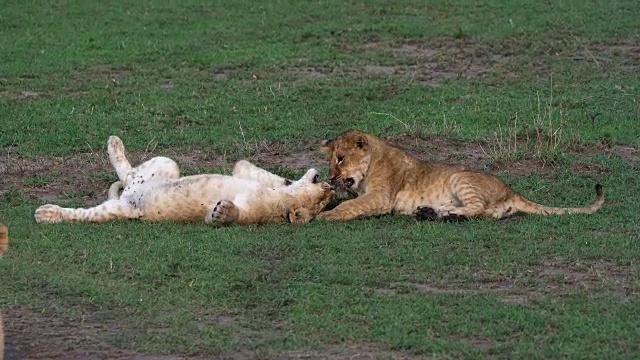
point(349, 160)
point(309, 197)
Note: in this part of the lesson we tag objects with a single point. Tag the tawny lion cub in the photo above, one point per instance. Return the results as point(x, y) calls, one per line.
point(154, 191)
point(384, 179)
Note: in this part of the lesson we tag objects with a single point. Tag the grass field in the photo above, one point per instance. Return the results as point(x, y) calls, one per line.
point(545, 94)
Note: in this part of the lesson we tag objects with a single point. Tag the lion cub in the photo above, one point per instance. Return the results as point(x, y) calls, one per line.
point(154, 191)
point(384, 179)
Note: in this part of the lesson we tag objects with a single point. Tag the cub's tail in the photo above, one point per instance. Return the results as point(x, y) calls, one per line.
point(4, 239)
point(520, 203)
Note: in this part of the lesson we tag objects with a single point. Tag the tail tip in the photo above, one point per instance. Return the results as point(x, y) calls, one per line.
point(599, 189)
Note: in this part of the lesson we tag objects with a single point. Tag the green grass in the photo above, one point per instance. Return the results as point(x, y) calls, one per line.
point(225, 77)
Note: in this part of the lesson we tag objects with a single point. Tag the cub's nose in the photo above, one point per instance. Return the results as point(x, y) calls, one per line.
point(349, 182)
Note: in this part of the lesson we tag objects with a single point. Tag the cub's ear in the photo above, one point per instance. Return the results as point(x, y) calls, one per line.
point(325, 145)
point(361, 141)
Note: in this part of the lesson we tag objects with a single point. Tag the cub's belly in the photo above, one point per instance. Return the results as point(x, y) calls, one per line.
point(180, 203)
point(190, 198)
point(408, 201)
point(177, 211)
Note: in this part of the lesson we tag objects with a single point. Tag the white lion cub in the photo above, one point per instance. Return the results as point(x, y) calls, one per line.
point(154, 191)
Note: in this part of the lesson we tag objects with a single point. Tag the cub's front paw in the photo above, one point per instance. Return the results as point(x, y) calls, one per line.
point(425, 213)
point(49, 214)
point(328, 215)
point(224, 212)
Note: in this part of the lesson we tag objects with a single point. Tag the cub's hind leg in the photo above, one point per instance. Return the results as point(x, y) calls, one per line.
point(472, 206)
point(474, 193)
point(118, 159)
point(142, 177)
point(465, 203)
point(133, 179)
point(107, 211)
point(158, 168)
point(243, 169)
point(225, 212)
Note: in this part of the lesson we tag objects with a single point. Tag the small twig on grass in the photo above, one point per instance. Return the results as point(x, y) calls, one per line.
point(413, 76)
point(150, 143)
point(588, 52)
point(393, 117)
point(242, 132)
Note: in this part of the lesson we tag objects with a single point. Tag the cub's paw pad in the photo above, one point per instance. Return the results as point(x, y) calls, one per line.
point(48, 214)
point(225, 211)
point(115, 145)
point(454, 218)
point(425, 213)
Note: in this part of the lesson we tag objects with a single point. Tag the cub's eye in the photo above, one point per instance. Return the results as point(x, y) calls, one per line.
point(316, 178)
point(340, 159)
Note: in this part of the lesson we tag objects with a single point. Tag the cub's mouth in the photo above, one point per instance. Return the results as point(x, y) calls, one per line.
point(345, 185)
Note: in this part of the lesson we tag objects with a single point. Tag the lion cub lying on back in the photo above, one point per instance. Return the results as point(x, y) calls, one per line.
point(154, 191)
point(385, 179)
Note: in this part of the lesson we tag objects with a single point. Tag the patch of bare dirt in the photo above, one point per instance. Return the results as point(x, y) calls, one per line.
point(500, 285)
point(299, 156)
point(589, 169)
point(552, 278)
point(355, 352)
point(427, 62)
point(22, 94)
point(432, 61)
point(626, 152)
point(617, 57)
point(30, 335)
point(67, 83)
point(561, 279)
point(475, 342)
